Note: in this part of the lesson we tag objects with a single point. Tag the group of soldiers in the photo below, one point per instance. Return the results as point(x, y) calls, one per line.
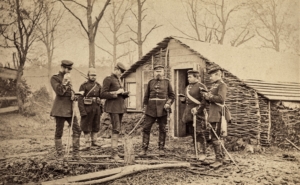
point(158, 98)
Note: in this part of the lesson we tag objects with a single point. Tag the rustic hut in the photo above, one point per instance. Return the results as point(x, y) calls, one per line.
point(249, 101)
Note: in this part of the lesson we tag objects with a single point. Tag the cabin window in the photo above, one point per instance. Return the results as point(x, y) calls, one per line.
point(131, 101)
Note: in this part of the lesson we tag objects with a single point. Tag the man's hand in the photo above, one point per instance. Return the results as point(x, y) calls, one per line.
point(120, 91)
point(194, 110)
point(67, 79)
point(206, 96)
point(166, 106)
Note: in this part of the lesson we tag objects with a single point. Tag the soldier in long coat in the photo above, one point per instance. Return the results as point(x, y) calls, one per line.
point(90, 108)
point(195, 106)
point(62, 109)
point(115, 95)
point(217, 96)
point(159, 96)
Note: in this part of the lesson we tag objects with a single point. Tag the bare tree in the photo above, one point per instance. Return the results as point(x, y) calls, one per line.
point(91, 29)
point(271, 17)
point(47, 29)
point(21, 31)
point(115, 22)
point(140, 17)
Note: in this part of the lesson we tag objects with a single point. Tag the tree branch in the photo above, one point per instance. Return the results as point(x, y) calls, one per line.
point(132, 29)
point(153, 28)
point(133, 40)
point(82, 25)
point(78, 4)
point(104, 50)
point(96, 23)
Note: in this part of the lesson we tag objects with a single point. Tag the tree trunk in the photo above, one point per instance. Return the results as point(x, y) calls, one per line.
point(92, 53)
point(139, 34)
point(18, 85)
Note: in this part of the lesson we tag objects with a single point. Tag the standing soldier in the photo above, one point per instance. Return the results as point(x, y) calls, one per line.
point(62, 109)
point(217, 96)
point(158, 98)
point(115, 95)
point(195, 106)
point(90, 109)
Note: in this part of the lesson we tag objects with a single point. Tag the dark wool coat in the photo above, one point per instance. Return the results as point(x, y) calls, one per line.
point(194, 91)
point(218, 92)
point(114, 103)
point(159, 89)
point(62, 105)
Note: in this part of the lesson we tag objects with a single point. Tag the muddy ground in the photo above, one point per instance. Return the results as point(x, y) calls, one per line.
point(27, 135)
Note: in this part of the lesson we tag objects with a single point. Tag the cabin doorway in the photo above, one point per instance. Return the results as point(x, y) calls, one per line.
point(181, 82)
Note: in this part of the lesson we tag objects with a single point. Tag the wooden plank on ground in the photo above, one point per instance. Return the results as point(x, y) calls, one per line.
point(8, 98)
point(88, 176)
point(8, 73)
point(22, 155)
point(9, 109)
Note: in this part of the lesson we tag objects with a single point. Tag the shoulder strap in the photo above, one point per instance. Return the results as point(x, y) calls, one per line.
point(91, 90)
point(191, 97)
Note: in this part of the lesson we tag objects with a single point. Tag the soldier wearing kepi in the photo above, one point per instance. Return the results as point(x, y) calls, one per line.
point(115, 95)
point(195, 106)
point(62, 109)
point(158, 97)
point(217, 96)
point(90, 109)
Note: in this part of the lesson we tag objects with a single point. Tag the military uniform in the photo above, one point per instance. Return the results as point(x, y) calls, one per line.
point(62, 110)
point(217, 97)
point(157, 94)
point(90, 111)
point(114, 105)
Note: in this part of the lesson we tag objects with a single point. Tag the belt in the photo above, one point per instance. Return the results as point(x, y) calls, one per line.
point(156, 99)
point(93, 98)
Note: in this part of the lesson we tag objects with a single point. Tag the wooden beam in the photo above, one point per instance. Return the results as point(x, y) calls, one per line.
point(9, 109)
point(8, 73)
point(8, 98)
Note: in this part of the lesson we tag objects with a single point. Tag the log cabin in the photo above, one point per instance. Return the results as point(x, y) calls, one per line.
point(257, 80)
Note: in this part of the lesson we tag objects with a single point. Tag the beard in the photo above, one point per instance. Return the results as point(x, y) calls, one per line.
point(158, 77)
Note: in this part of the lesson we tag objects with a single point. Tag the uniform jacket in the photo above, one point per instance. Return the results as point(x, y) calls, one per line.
point(86, 87)
point(217, 93)
point(158, 89)
point(194, 91)
point(113, 103)
point(62, 105)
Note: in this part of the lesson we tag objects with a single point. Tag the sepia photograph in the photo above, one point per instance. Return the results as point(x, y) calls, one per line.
point(150, 92)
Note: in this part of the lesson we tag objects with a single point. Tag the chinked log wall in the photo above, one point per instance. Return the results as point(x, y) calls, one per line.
point(249, 110)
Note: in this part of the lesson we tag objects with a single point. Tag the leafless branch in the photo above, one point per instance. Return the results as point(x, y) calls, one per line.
point(106, 38)
point(132, 29)
point(82, 25)
point(133, 40)
point(78, 4)
point(153, 28)
point(103, 49)
point(134, 14)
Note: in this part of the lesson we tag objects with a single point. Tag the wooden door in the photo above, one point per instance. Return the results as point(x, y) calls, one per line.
point(180, 83)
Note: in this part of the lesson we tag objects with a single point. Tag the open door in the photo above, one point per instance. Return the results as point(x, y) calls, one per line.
point(181, 82)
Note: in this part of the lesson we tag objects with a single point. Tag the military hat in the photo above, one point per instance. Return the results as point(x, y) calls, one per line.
point(158, 66)
point(121, 67)
point(214, 69)
point(92, 71)
point(192, 72)
point(67, 64)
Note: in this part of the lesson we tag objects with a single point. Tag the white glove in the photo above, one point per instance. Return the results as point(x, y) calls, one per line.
point(166, 106)
point(194, 110)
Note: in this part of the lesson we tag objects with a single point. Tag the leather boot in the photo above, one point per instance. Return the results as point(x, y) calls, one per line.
point(144, 149)
point(202, 151)
point(87, 142)
point(94, 140)
point(59, 150)
point(217, 149)
point(161, 143)
point(114, 147)
point(226, 159)
point(161, 149)
point(145, 144)
point(75, 151)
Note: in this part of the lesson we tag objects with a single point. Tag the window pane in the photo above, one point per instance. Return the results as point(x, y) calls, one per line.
point(132, 88)
point(132, 102)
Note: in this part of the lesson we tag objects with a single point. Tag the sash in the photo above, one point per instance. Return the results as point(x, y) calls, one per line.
point(91, 90)
point(192, 98)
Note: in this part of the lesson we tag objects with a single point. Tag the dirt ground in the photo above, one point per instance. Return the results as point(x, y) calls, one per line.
point(25, 136)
